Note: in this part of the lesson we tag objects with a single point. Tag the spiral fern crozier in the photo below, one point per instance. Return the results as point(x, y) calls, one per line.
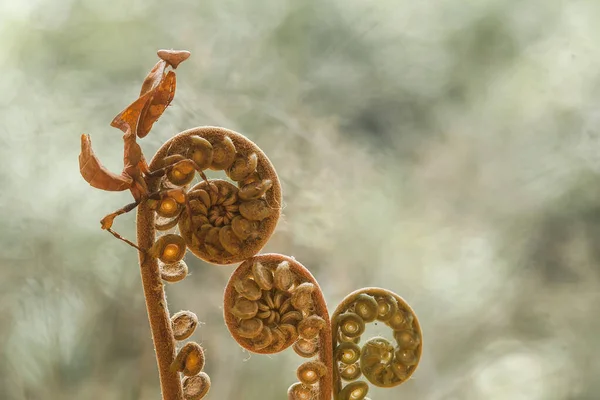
point(272, 302)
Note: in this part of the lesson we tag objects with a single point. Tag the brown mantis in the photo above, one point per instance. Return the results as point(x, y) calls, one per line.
point(136, 121)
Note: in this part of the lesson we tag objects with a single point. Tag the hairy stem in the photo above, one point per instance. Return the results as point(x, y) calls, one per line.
point(156, 304)
point(326, 349)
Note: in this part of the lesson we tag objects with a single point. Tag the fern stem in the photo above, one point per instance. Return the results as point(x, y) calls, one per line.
point(156, 305)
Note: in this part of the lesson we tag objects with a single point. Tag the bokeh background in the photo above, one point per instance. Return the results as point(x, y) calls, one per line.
point(448, 150)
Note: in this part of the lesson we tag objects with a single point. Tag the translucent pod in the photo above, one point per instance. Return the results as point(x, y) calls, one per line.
point(164, 224)
point(230, 242)
point(255, 210)
point(306, 348)
point(242, 167)
point(400, 370)
point(387, 378)
point(283, 277)
point(189, 360)
point(347, 353)
point(300, 391)
point(407, 357)
point(400, 320)
point(244, 228)
point(244, 308)
point(247, 288)
point(311, 326)
point(200, 152)
point(223, 154)
point(184, 324)
point(262, 275)
point(407, 339)
point(365, 307)
point(168, 248)
point(173, 272)
point(168, 207)
point(379, 348)
point(350, 324)
point(181, 173)
point(345, 339)
point(376, 357)
point(250, 328)
point(196, 387)
point(302, 296)
point(354, 391)
point(386, 307)
point(310, 372)
point(374, 372)
point(255, 190)
point(350, 372)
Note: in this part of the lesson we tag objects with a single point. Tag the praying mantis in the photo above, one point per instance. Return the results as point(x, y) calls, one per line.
point(136, 121)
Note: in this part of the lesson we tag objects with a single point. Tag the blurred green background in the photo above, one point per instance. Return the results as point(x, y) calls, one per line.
point(447, 150)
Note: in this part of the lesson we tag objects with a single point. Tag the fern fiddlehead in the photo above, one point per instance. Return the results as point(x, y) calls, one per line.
point(271, 302)
point(378, 360)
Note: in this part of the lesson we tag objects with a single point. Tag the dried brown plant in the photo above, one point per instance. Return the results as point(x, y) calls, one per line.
point(271, 301)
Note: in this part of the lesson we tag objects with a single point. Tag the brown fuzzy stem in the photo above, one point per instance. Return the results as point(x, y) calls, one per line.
point(326, 349)
point(156, 304)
